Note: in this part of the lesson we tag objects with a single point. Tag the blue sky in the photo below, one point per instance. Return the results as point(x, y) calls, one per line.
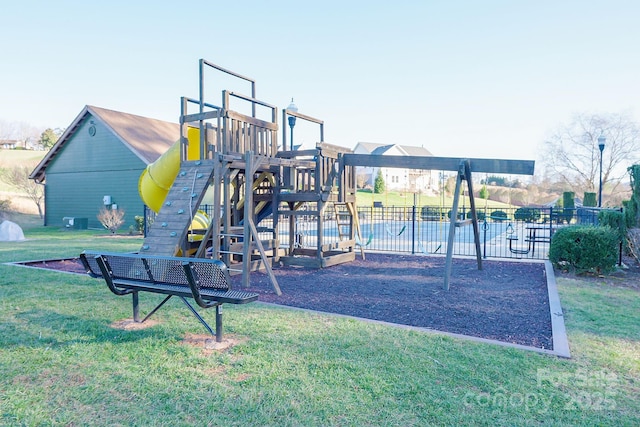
point(461, 78)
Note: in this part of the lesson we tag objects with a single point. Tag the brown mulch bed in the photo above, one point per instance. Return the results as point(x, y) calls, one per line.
point(505, 301)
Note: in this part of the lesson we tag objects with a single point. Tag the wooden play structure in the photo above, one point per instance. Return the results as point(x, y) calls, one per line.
point(258, 189)
point(234, 158)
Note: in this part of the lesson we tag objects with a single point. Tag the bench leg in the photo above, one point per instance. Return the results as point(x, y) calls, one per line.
point(136, 307)
point(157, 308)
point(219, 323)
point(218, 333)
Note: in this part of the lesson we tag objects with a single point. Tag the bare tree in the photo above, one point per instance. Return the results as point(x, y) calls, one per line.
point(111, 219)
point(18, 177)
point(25, 133)
point(361, 179)
point(573, 156)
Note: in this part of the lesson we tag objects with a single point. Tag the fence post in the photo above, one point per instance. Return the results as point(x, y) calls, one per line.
point(144, 224)
point(485, 226)
point(413, 229)
point(620, 251)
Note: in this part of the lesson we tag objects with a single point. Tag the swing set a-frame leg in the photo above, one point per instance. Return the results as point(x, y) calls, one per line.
point(464, 173)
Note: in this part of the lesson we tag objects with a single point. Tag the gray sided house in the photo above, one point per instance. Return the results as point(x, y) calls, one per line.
point(97, 162)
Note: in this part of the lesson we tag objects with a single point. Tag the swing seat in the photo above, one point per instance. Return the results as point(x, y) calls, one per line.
point(359, 243)
point(390, 233)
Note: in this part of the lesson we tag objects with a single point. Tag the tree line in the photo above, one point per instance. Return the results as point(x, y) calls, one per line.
point(27, 136)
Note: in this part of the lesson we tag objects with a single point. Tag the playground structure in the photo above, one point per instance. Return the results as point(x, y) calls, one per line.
point(235, 159)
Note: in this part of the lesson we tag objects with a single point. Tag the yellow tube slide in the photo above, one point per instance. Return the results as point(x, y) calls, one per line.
point(156, 180)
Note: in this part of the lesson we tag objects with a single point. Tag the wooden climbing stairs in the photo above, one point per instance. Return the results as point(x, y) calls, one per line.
point(168, 233)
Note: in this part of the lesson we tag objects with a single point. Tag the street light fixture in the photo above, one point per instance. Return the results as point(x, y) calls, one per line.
point(601, 141)
point(292, 119)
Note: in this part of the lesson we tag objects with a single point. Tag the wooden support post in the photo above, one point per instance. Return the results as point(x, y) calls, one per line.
point(452, 229)
point(216, 220)
point(275, 206)
point(263, 255)
point(248, 213)
point(319, 230)
point(225, 212)
point(474, 215)
point(464, 173)
point(250, 235)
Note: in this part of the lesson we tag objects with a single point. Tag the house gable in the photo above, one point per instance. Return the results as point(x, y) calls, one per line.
point(389, 150)
point(92, 164)
point(93, 147)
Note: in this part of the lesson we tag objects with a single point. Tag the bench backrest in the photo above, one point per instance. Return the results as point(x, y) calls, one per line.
point(209, 273)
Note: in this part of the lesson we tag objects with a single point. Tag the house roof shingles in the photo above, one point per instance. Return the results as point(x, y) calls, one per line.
point(146, 138)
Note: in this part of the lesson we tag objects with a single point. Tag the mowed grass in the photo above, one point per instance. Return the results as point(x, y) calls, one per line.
point(20, 157)
point(399, 199)
point(11, 158)
point(61, 363)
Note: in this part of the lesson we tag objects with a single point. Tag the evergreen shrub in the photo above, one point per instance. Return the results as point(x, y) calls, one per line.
point(460, 214)
point(430, 213)
point(479, 213)
point(584, 249)
point(139, 224)
point(568, 206)
point(615, 220)
point(589, 200)
point(379, 186)
point(527, 214)
point(499, 216)
point(629, 213)
point(632, 207)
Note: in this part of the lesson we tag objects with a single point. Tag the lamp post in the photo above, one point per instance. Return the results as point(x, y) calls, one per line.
point(292, 119)
point(601, 141)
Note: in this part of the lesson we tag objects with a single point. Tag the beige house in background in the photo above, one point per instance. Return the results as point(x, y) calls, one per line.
point(8, 144)
point(396, 179)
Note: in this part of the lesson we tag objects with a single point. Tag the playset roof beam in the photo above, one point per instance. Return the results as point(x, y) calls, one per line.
point(516, 167)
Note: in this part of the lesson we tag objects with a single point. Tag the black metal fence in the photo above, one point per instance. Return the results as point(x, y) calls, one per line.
point(426, 230)
point(503, 233)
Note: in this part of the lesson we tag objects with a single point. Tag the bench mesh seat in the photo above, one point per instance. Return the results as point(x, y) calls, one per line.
point(230, 296)
point(205, 280)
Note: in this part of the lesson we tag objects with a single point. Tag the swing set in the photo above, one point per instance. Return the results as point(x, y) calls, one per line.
point(464, 168)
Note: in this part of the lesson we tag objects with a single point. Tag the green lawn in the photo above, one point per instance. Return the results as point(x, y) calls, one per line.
point(62, 364)
point(20, 157)
point(366, 198)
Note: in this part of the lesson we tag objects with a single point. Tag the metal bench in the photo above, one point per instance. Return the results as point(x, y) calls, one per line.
point(204, 280)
